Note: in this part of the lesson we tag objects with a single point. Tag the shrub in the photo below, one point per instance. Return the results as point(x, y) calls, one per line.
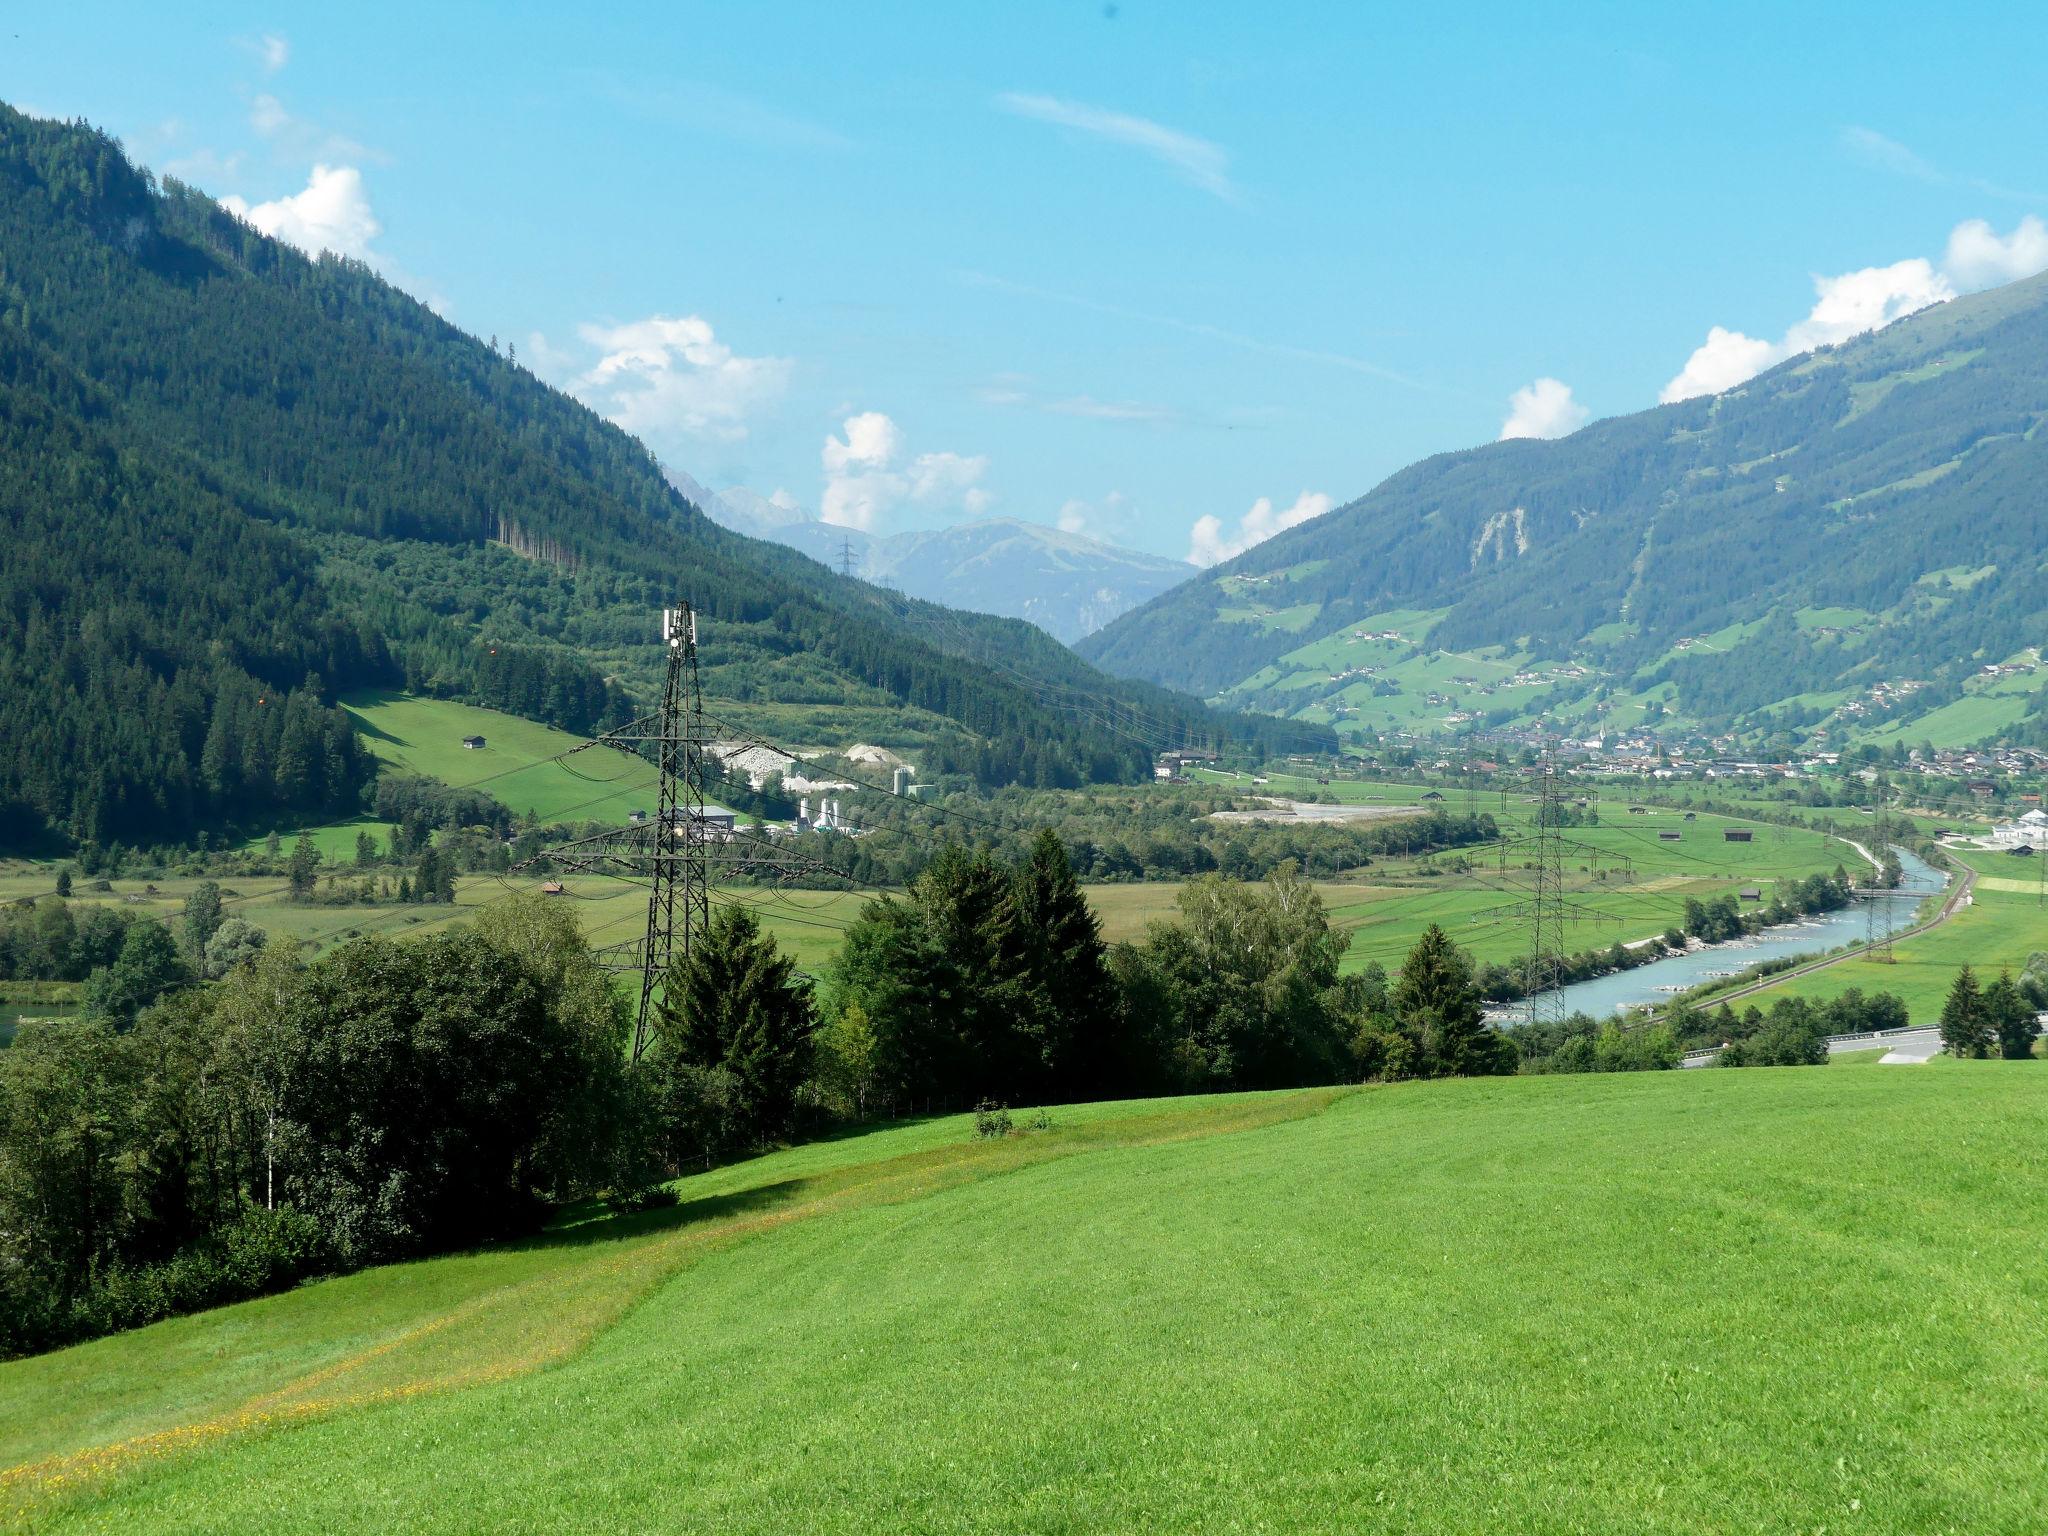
point(991, 1120)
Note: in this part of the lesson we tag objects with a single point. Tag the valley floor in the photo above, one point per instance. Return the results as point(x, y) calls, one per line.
point(1678, 1302)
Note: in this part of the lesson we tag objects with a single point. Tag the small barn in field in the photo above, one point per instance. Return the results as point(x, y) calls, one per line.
point(1737, 835)
point(473, 743)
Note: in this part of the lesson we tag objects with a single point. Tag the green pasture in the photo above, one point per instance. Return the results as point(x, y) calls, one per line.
point(522, 763)
point(1771, 1300)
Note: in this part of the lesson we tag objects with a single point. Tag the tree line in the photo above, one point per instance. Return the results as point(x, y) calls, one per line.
point(224, 1118)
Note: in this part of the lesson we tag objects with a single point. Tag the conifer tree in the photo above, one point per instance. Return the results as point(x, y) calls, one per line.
point(1965, 1031)
point(735, 1002)
point(1435, 997)
point(1072, 1007)
point(2010, 1018)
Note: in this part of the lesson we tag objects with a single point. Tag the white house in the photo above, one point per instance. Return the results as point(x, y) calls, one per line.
point(2030, 831)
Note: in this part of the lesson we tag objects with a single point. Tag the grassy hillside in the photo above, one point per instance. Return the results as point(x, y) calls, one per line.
point(521, 763)
point(1769, 1300)
point(1843, 543)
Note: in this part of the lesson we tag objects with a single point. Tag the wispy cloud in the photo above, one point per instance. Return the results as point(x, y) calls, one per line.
point(1198, 161)
point(703, 107)
point(1883, 153)
point(1088, 407)
point(1198, 328)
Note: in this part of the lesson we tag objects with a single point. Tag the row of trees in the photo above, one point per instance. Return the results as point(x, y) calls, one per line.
point(389, 1099)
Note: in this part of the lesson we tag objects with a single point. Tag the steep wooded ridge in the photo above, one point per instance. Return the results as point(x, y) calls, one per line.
point(1847, 540)
point(236, 482)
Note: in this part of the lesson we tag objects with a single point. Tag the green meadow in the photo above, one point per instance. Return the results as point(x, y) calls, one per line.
point(1772, 1300)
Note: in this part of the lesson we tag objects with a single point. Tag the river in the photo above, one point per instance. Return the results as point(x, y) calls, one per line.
point(1660, 980)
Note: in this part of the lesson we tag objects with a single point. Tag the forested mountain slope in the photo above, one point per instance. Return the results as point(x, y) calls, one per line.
point(238, 481)
point(1845, 542)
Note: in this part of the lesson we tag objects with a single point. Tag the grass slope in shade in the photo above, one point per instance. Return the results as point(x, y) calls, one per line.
point(1766, 1300)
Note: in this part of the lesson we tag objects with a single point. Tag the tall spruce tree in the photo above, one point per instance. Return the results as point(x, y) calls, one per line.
point(1436, 1001)
point(1073, 1011)
point(1965, 1031)
point(734, 1002)
point(2010, 1017)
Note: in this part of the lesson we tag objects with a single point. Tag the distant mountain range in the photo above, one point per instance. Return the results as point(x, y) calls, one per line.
point(1066, 584)
point(1848, 547)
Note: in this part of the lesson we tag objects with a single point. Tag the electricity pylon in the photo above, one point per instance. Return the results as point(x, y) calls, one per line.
point(1547, 908)
point(1877, 926)
point(673, 853)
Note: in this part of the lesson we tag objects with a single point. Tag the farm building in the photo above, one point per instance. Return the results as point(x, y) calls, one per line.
point(551, 888)
point(1750, 893)
point(473, 743)
point(1737, 835)
point(1669, 837)
point(1431, 795)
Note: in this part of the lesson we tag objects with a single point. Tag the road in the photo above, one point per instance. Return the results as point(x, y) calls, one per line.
point(1902, 1047)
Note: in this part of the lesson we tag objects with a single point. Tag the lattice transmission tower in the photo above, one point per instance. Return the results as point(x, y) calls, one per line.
point(1877, 910)
point(1547, 909)
point(680, 851)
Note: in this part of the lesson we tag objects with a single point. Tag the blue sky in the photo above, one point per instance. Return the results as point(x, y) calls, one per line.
point(1174, 274)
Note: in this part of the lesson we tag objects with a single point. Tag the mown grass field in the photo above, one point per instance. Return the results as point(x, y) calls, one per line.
point(1784, 1300)
point(520, 764)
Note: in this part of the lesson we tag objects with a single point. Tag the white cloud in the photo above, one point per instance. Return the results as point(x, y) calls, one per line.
point(667, 378)
point(1869, 299)
point(1725, 359)
point(871, 442)
point(1844, 306)
point(1197, 161)
point(1543, 409)
point(332, 214)
point(863, 484)
point(274, 51)
point(1208, 543)
point(1979, 257)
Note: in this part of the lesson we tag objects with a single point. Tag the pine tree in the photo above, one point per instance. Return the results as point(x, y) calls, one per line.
point(734, 1002)
point(366, 850)
point(2010, 1018)
point(1435, 997)
point(1965, 1031)
point(1073, 1007)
